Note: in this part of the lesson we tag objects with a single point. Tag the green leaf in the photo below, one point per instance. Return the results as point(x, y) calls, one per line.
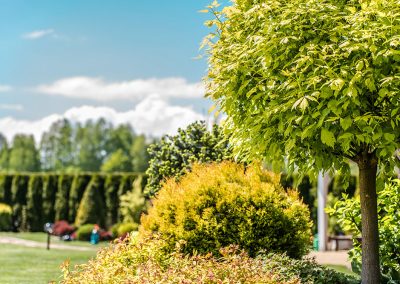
point(337, 84)
point(327, 137)
point(346, 122)
point(389, 137)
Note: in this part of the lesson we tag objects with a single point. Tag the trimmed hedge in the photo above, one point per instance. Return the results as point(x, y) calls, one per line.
point(83, 233)
point(92, 206)
point(38, 198)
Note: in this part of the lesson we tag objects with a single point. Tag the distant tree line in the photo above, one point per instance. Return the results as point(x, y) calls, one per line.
point(67, 147)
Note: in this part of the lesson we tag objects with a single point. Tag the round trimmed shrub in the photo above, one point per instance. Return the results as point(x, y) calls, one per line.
point(84, 232)
point(125, 228)
point(5, 217)
point(114, 229)
point(217, 205)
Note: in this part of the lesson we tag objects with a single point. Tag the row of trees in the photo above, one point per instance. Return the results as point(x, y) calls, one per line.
point(94, 146)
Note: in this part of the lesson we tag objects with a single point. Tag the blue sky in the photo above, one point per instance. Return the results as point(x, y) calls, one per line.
point(57, 56)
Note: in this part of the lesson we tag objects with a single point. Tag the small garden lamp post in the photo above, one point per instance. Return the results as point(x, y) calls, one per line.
point(48, 228)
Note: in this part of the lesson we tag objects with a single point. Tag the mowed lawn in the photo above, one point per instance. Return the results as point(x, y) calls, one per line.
point(20, 264)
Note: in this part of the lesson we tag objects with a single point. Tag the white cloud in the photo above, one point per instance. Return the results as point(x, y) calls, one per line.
point(152, 116)
point(11, 107)
point(5, 88)
point(98, 90)
point(38, 34)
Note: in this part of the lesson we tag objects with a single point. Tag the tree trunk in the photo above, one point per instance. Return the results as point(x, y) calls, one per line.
point(370, 272)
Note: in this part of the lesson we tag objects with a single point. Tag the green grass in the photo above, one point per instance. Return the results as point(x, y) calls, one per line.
point(20, 264)
point(341, 268)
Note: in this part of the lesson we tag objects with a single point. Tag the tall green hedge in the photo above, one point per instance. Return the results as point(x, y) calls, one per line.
point(92, 206)
point(19, 188)
point(34, 204)
point(62, 196)
point(5, 188)
point(111, 186)
point(78, 186)
point(47, 197)
point(49, 191)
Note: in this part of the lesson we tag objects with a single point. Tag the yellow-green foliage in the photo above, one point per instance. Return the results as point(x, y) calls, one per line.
point(133, 203)
point(146, 262)
point(84, 232)
point(5, 217)
point(125, 228)
point(217, 205)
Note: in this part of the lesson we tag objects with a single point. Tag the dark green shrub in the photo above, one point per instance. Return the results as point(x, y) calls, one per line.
point(114, 229)
point(91, 208)
point(5, 188)
point(111, 186)
point(83, 233)
point(34, 204)
point(62, 197)
point(18, 191)
point(217, 205)
point(5, 217)
point(50, 183)
point(172, 156)
point(125, 228)
point(78, 186)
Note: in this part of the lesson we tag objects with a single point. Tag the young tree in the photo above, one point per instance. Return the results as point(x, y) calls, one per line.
point(56, 146)
point(4, 152)
point(139, 154)
point(313, 83)
point(118, 161)
point(23, 154)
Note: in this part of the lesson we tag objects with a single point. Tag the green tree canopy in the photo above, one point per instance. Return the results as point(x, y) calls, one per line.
point(118, 161)
point(312, 83)
point(4, 151)
point(139, 154)
point(56, 146)
point(23, 155)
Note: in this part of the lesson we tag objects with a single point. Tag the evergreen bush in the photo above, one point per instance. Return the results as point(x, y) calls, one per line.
point(62, 197)
point(126, 228)
point(91, 208)
point(78, 186)
point(34, 204)
point(111, 186)
point(5, 188)
point(50, 183)
point(5, 217)
point(83, 233)
point(19, 188)
point(173, 156)
point(217, 205)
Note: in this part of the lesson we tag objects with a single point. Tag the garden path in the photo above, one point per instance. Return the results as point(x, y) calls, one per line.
point(33, 244)
point(331, 257)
